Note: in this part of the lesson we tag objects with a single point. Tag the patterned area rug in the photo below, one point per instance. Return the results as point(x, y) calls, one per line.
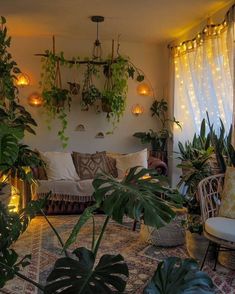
point(142, 261)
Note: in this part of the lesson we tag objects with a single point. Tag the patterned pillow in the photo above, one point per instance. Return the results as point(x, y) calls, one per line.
point(89, 165)
point(227, 207)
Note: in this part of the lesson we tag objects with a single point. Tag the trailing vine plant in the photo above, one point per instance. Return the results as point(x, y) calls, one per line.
point(57, 100)
point(111, 99)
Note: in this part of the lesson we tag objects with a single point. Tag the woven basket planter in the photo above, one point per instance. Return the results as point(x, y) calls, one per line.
point(196, 245)
point(227, 259)
point(170, 235)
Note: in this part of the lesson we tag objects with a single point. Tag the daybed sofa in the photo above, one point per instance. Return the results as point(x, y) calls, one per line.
point(69, 176)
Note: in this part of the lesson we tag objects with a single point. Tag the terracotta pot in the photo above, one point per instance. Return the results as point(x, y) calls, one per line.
point(106, 107)
point(196, 245)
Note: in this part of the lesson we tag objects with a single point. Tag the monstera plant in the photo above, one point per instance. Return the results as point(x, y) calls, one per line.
point(177, 276)
point(136, 196)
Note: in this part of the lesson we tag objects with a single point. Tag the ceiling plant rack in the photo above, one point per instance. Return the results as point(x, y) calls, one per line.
point(114, 70)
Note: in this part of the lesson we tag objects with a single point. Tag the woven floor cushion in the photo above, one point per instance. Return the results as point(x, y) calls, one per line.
point(170, 235)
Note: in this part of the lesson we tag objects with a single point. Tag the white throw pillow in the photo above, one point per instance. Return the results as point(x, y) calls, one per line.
point(125, 162)
point(59, 166)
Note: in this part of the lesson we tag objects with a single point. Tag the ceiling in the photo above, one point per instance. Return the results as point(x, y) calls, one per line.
point(135, 20)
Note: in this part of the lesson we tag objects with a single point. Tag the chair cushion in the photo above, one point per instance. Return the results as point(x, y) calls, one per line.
point(221, 227)
point(227, 207)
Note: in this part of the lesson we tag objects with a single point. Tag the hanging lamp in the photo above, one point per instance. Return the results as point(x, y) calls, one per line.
point(97, 49)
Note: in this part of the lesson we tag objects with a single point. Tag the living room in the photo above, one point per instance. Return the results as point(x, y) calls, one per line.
point(117, 148)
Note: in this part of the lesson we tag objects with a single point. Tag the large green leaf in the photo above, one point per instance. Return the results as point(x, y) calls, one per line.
point(137, 197)
point(81, 276)
point(86, 215)
point(177, 276)
point(9, 148)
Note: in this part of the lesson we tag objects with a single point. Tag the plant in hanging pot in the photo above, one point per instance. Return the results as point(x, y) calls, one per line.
point(57, 100)
point(90, 93)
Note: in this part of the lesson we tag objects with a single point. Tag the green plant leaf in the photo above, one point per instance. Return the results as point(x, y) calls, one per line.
point(177, 276)
point(82, 276)
point(86, 215)
point(136, 197)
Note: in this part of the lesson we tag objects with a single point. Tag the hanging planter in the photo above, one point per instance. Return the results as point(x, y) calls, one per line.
point(57, 100)
point(90, 94)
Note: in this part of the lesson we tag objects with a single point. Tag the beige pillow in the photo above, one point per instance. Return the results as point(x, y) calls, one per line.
point(59, 166)
point(227, 207)
point(125, 162)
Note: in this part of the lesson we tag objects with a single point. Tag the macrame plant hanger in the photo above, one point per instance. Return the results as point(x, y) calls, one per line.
point(58, 81)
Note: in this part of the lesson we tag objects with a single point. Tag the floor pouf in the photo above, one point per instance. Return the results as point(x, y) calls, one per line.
point(170, 235)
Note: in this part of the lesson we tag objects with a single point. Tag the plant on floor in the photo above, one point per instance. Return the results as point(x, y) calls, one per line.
point(134, 196)
point(177, 276)
point(159, 139)
point(15, 120)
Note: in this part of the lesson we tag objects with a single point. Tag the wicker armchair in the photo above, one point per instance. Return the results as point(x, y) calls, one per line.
point(215, 227)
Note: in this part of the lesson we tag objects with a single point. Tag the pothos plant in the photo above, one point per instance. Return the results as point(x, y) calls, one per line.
point(112, 97)
point(117, 72)
point(57, 100)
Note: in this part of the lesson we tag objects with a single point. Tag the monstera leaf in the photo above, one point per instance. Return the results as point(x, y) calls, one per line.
point(9, 149)
point(177, 276)
point(138, 196)
point(81, 276)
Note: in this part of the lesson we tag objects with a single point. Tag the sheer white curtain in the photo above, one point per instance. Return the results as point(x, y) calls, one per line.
point(203, 71)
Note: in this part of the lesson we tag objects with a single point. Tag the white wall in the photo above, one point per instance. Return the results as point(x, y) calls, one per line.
point(149, 57)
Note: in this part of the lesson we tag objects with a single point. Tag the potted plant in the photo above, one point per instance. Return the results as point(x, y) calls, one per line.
point(80, 271)
point(57, 100)
point(90, 93)
point(159, 139)
point(15, 158)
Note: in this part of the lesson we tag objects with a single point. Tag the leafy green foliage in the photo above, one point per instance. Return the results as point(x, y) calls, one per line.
point(82, 276)
point(26, 160)
point(176, 276)
point(12, 225)
point(137, 196)
point(57, 100)
point(9, 148)
point(158, 139)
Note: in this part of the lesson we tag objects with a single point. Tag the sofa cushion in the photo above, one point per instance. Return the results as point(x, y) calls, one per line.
point(125, 162)
point(89, 165)
point(221, 227)
point(59, 166)
point(67, 190)
point(227, 207)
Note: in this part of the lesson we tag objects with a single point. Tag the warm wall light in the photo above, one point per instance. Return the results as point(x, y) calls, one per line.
point(23, 80)
point(35, 99)
point(144, 89)
point(137, 110)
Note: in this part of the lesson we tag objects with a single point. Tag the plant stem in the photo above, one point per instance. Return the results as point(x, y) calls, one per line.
point(55, 231)
point(93, 234)
point(97, 245)
point(22, 276)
